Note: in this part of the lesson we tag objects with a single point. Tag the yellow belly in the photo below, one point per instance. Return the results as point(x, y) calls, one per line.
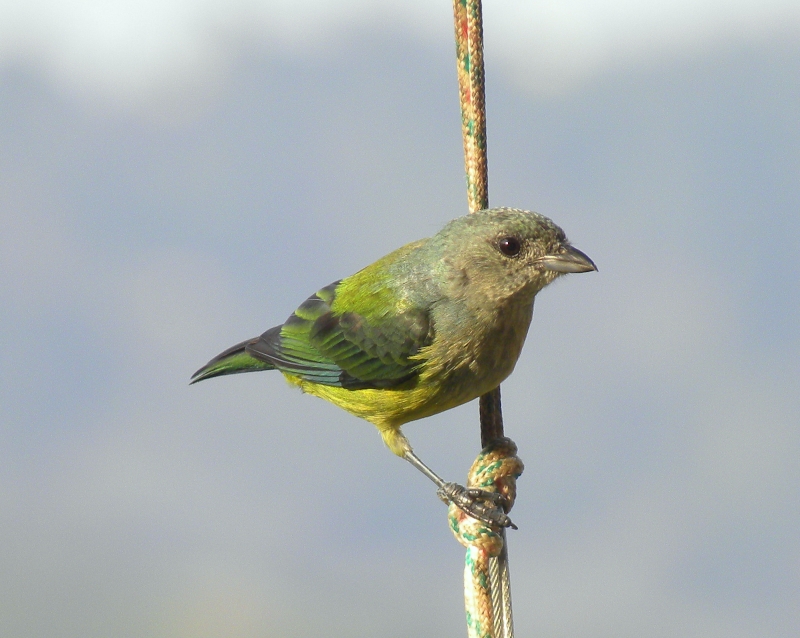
point(450, 374)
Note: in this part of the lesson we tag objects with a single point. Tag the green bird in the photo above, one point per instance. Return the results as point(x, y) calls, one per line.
point(428, 327)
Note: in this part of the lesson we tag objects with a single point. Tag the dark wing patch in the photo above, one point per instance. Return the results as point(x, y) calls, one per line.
point(345, 349)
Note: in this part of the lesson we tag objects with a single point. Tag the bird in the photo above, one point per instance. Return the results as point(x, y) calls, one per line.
point(428, 327)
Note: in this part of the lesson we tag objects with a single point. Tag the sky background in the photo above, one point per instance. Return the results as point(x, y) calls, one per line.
point(178, 176)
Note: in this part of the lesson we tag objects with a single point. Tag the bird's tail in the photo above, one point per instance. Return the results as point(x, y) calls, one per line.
point(233, 361)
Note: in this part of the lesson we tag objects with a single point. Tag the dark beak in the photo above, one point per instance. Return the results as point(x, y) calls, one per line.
point(569, 260)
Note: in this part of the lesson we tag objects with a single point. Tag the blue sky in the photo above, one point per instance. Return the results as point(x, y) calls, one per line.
point(176, 177)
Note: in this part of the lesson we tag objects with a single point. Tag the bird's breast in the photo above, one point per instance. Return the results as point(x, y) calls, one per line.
point(474, 351)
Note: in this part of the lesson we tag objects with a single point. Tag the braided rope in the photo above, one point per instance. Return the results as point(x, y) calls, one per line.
point(469, 63)
point(469, 57)
point(495, 470)
point(468, 18)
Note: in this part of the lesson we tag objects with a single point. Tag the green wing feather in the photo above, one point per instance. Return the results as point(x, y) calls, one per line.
point(360, 332)
point(322, 344)
point(233, 361)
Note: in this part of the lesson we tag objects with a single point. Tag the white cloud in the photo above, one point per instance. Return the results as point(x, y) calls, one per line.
point(551, 45)
point(137, 50)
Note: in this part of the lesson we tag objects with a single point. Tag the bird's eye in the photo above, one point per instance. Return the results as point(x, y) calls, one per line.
point(509, 246)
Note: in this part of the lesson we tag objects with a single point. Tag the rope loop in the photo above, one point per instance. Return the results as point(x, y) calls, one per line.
point(495, 470)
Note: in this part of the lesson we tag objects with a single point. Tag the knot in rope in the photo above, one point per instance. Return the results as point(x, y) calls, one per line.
point(495, 470)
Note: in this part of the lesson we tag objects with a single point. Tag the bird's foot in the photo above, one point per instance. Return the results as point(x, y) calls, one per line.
point(481, 504)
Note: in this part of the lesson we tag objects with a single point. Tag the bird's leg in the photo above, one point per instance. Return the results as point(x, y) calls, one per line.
point(481, 504)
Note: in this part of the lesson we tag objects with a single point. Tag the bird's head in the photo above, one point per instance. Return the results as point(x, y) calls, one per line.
point(502, 252)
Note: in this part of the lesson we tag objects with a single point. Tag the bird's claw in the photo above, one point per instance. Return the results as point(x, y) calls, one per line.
point(481, 504)
point(497, 499)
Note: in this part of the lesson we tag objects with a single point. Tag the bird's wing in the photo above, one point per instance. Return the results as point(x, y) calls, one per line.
point(323, 343)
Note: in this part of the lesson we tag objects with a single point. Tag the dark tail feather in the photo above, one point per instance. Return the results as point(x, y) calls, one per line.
point(233, 361)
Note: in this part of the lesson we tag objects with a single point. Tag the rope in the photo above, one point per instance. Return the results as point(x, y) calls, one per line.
point(469, 58)
point(469, 63)
point(487, 603)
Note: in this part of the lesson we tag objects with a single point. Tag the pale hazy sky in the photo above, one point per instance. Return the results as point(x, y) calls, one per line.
point(176, 177)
